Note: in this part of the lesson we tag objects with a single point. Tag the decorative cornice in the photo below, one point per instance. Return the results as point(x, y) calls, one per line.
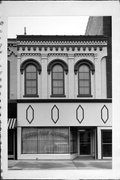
point(12, 51)
point(84, 54)
point(65, 43)
point(60, 38)
point(56, 47)
point(12, 42)
point(30, 54)
point(57, 54)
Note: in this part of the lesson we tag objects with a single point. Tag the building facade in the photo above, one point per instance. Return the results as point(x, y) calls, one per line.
point(60, 103)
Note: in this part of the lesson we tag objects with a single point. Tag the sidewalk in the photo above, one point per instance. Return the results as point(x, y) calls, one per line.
point(59, 164)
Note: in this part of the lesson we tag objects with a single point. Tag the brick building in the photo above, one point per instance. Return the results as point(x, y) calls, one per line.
point(59, 97)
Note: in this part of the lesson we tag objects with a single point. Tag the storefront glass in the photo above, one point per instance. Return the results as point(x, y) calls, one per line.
point(107, 143)
point(45, 140)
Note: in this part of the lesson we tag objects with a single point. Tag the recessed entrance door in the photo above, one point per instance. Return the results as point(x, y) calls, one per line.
point(85, 142)
point(10, 144)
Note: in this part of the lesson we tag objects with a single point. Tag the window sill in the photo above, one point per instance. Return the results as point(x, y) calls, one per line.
point(83, 96)
point(30, 96)
point(57, 96)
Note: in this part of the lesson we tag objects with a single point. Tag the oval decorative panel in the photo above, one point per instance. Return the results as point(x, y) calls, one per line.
point(55, 114)
point(30, 114)
point(80, 114)
point(104, 114)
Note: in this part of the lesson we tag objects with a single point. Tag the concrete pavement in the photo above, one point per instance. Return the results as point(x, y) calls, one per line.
point(59, 164)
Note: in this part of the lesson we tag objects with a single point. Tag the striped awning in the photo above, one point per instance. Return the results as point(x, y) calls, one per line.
point(12, 122)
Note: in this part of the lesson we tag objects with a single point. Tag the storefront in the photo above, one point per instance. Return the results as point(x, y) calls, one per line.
point(77, 133)
point(12, 134)
point(63, 142)
point(12, 130)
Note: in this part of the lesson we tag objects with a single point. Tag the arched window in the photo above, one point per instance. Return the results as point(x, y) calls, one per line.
point(84, 80)
point(57, 80)
point(31, 80)
point(31, 68)
point(85, 69)
point(58, 68)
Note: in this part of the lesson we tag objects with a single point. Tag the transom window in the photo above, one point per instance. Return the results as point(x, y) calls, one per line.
point(30, 80)
point(84, 81)
point(57, 80)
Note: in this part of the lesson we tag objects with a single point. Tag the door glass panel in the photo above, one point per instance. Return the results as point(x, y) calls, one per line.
point(85, 143)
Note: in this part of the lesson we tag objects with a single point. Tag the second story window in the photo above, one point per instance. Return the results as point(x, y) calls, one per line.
point(84, 80)
point(58, 70)
point(31, 69)
point(85, 69)
point(30, 80)
point(57, 80)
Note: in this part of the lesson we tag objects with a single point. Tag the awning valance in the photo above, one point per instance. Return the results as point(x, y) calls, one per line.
point(12, 122)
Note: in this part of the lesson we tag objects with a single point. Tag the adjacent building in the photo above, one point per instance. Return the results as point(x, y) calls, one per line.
point(102, 25)
point(59, 97)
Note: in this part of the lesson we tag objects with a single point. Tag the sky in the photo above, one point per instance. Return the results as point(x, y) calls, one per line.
point(47, 25)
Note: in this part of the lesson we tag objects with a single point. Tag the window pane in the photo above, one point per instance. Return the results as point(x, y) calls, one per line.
point(30, 68)
point(30, 91)
point(57, 80)
point(57, 90)
point(84, 80)
point(84, 83)
point(53, 140)
point(107, 137)
point(57, 68)
point(107, 143)
point(61, 140)
point(83, 75)
point(30, 75)
point(84, 90)
point(33, 90)
point(83, 68)
point(57, 75)
point(57, 83)
point(31, 83)
point(45, 141)
point(31, 80)
point(107, 150)
point(29, 140)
